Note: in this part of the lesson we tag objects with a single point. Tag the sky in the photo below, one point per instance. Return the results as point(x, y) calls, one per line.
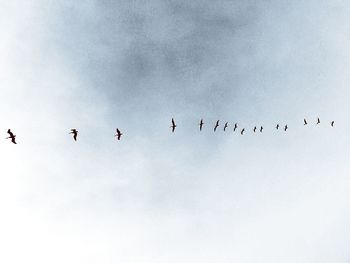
point(190, 196)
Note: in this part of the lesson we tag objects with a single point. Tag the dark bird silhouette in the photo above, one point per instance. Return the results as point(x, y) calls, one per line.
point(12, 136)
point(285, 127)
point(261, 129)
point(235, 127)
point(318, 121)
point(75, 133)
point(226, 125)
point(277, 126)
point(216, 125)
point(332, 123)
point(254, 130)
point(305, 122)
point(242, 131)
point(173, 125)
point(201, 124)
point(118, 135)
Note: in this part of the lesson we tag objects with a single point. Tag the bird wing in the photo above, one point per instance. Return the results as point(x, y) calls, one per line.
point(172, 121)
point(13, 140)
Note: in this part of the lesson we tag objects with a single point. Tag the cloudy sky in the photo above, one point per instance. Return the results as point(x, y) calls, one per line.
point(183, 197)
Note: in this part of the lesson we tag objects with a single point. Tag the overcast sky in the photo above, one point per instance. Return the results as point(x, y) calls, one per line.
point(190, 196)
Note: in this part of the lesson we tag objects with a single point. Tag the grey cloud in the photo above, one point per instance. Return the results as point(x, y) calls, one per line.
point(157, 53)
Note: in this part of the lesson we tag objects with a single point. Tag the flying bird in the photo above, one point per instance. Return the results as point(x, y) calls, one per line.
point(261, 129)
point(277, 126)
point(201, 124)
point(318, 121)
point(254, 130)
point(226, 125)
point(285, 127)
point(75, 133)
point(118, 135)
point(173, 125)
point(216, 125)
point(305, 122)
point(242, 131)
point(12, 136)
point(332, 123)
point(235, 127)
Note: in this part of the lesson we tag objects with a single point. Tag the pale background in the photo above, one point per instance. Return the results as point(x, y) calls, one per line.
point(183, 197)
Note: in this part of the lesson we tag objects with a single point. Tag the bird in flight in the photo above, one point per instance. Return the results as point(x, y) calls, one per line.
point(216, 125)
point(318, 121)
point(242, 131)
point(226, 125)
point(75, 133)
point(235, 127)
point(12, 136)
point(254, 130)
point(261, 129)
point(173, 125)
point(201, 124)
point(277, 126)
point(285, 127)
point(118, 135)
point(305, 122)
point(332, 123)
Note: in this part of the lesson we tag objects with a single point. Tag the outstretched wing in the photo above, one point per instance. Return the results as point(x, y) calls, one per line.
point(119, 134)
point(10, 133)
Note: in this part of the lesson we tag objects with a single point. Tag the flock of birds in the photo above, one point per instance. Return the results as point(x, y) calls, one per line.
point(173, 126)
point(217, 124)
point(74, 132)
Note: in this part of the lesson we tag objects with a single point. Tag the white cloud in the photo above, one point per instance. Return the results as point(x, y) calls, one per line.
point(161, 197)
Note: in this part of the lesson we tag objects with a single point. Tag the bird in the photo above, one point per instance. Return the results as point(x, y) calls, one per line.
point(332, 123)
point(173, 125)
point(261, 129)
point(201, 124)
point(12, 136)
point(118, 135)
point(254, 130)
point(285, 127)
point(75, 133)
point(216, 125)
point(235, 127)
point(226, 125)
point(242, 131)
point(318, 121)
point(305, 122)
point(277, 126)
